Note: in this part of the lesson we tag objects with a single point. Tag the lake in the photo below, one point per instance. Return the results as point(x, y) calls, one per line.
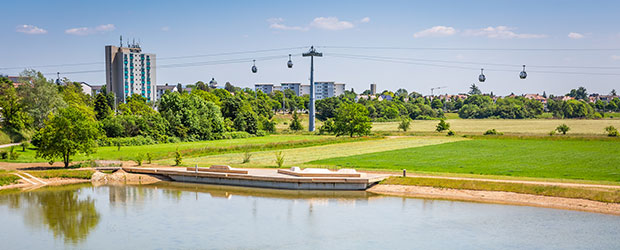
point(172, 215)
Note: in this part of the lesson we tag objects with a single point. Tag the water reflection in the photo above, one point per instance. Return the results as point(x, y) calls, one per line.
point(61, 209)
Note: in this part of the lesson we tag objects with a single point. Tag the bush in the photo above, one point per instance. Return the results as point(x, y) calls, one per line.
point(404, 124)
point(451, 133)
point(178, 158)
point(269, 125)
point(139, 158)
point(563, 128)
point(442, 126)
point(552, 133)
point(4, 155)
point(246, 156)
point(12, 154)
point(279, 158)
point(296, 123)
point(261, 133)
point(327, 127)
point(149, 158)
point(612, 131)
point(492, 132)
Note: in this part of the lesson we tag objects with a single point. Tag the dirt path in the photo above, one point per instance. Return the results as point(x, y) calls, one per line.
point(546, 183)
point(498, 197)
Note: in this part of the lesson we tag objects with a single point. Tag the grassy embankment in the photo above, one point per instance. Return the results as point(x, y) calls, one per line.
point(595, 194)
point(515, 127)
point(62, 173)
point(7, 178)
point(167, 150)
point(545, 157)
point(299, 156)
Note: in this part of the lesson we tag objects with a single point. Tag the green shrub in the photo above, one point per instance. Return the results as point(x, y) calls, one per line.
point(149, 158)
point(612, 131)
point(327, 127)
point(269, 126)
point(139, 158)
point(25, 145)
point(260, 133)
point(442, 126)
point(279, 158)
point(12, 154)
point(178, 158)
point(404, 124)
point(492, 132)
point(563, 128)
point(296, 123)
point(451, 133)
point(552, 133)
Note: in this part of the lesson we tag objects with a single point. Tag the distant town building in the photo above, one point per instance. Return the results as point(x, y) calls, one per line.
point(86, 88)
point(266, 88)
point(373, 89)
point(161, 90)
point(322, 89)
point(96, 89)
point(536, 97)
point(129, 71)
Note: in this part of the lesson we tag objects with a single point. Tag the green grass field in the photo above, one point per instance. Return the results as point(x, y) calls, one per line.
point(7, 178)
point(299, 156)
point(520, 127)
point(166, 150)
point(576, 159)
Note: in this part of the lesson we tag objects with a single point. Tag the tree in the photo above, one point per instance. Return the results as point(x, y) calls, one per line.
point(40, 97)
point(191, 117)
point(14, 118)
point(229, 87)
point(563, 128)
point(68, 132)
point(404, 124)
point(580, 94)
point(613, 92)
point(611, 131)
point(474, 90)
point(442, 125)
point(352, 119)
point(201, 86)
point(102, 110)
point(296, 123)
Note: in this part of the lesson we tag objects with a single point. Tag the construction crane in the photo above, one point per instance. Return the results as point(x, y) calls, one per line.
point(433, 89)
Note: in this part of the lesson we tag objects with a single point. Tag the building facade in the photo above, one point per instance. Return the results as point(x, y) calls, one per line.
point(373, 89)
point(266, 88)
point(321, 89)
point(129, 71)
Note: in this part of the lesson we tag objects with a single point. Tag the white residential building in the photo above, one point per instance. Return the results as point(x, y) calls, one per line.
point(321, 89)
point(266, 88)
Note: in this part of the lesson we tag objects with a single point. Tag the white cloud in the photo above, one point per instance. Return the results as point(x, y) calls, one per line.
point(276, 23)
point(574, 35)
point(30, 29)
point(437, 31)
point(365, 20)
point(501, 32)
point(82, 31)
point(615, 57)
point(331, 23)
point(165, 28)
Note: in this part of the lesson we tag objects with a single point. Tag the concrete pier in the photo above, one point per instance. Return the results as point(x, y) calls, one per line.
point(264, 178)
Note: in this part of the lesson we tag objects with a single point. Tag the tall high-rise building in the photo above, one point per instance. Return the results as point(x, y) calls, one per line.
point(129, 71)
point(373, 89)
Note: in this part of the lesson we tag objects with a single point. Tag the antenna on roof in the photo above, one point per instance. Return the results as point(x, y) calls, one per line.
point(121, 41)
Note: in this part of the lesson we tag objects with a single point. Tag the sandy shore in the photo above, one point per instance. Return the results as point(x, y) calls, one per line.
point(50, 182)
point(498, 197)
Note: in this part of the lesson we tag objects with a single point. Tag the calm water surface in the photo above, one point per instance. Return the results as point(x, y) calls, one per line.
point(175, 215)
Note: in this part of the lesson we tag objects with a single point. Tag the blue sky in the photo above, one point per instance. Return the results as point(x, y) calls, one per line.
point(67, 32)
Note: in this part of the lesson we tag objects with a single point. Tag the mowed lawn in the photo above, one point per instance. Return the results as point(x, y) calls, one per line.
point(541, 158)
point(159, 150)
point(513, 126)
point(299, 156)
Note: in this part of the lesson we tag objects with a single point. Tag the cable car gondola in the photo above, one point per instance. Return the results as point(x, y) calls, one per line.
point(254, 68)
point(289, 64)
point(481, 77)
point(523, 74)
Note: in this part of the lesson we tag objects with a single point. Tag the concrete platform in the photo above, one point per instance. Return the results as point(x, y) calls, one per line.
point(264, 178)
